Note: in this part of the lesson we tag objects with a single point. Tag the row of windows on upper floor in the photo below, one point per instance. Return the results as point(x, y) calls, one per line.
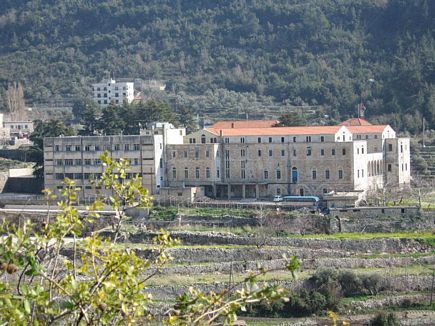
point(259, 140)
point(244, 152)
point(124, 88)
point(96, 148)
point(266, 175)
point(89, 162)
point(19, 127)
point(85, 176)
point(99, 95)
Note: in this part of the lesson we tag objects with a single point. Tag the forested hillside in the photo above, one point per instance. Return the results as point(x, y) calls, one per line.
point(303, 52)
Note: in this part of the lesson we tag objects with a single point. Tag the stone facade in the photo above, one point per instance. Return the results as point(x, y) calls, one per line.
point(260, 162)
point(245, 160)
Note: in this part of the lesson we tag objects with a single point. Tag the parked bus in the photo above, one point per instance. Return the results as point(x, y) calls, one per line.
point(302, 201)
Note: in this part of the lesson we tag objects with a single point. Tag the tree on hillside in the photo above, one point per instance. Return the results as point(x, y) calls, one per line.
point(87, 113)
point(15, 105)
point(51, 128)
point(112, 121)
point(187, 119)
point(291, 119)
point(101, 282)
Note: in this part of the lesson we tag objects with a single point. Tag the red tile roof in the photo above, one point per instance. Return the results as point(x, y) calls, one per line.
point(277, 131)
point(371, 129)
point(355, 122)
point(244, 124)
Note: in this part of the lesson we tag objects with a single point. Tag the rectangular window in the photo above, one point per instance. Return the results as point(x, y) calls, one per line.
point(97, 148)
point(59, 176)
point(207, 153)
point(322, 138)
point(97, 161)
point(282, 139)
point(266, 174)
point(308, 139)
point(59, 162)
point(136, 147)
point(207, 173)
point(186, 173)
point(294, 139)
point(196, 153)
point(327, 174)
point(78, 148)
point(259, 140)
point(343, 151)
point(340, 174)
point(322, 152)
point(185, 154)
point(270, 139)
point(294, 153)
point(308, 151)
point(57, 148)
point(88, 161)
point(78, 162)
point(270, 152)
point(362, 150)
point(87, 148)
point(282, 152)
point(333, 152)
point(69, 162)
point(259, 152)
point(227, 140)
point(126, 147)
point(68, 148)
point(278, 174)
point(390, 147)
point(242, 140)
point(197, 173)
point(242, 153)
point(362, 173)
point(217, 173)
point(314, 174)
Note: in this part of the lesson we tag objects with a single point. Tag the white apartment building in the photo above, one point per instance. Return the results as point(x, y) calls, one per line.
point(111, 91)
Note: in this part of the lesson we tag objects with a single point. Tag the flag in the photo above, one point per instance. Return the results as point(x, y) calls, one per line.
point(361, 109)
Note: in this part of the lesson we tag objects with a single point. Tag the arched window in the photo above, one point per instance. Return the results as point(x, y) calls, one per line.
point(202, 139)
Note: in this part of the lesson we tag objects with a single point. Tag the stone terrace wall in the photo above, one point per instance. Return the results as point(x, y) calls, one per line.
point(388, 245)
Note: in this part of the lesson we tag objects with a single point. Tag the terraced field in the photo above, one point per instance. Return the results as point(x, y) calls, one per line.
point(388, 272)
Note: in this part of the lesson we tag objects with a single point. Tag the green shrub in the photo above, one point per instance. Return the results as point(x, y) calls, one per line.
point(384, 319)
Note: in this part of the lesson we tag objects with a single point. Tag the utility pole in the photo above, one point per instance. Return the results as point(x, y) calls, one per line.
point(423, 133)
point(431, 288)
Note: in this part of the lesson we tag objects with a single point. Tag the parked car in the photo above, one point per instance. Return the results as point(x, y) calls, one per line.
point(277, 198)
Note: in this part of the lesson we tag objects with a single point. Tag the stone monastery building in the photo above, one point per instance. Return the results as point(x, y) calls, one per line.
point(244, 159)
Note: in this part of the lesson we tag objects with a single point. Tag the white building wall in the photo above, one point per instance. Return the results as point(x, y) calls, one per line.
point(110, 91)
